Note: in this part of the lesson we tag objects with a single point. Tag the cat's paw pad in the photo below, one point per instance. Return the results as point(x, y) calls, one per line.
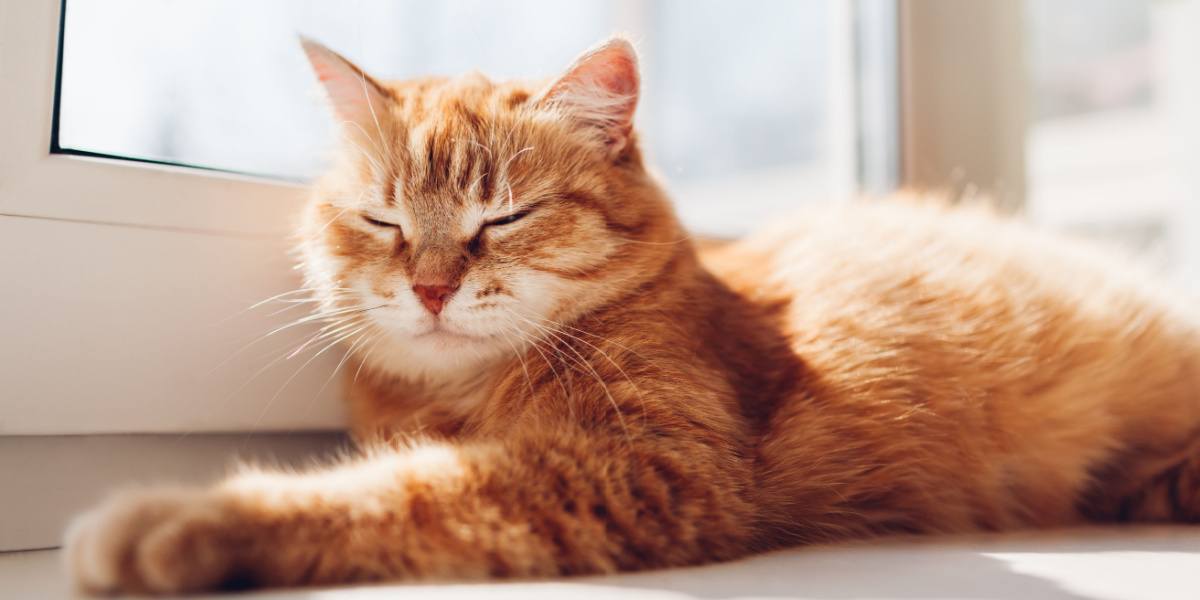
point(152, 541)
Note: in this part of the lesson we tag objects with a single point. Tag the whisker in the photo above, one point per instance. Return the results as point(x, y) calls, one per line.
point(337, 216)
point(595, 374)
point(294, 304)
point(475, 143)
point(265, 301)
point(332, 329)
point(557, 378)
point(614, 363)
point(362, 78)
point(375, 164)
point(282, 356)
point(239, 351)
point(283, 387)
point(278, 296)
point(504, 172)
point(520, 355)
point(598, 337)
point(308, 319)
point(324, 315)
point(363, 361)
point(342, 362)
point(514, 155)
point(670, 243)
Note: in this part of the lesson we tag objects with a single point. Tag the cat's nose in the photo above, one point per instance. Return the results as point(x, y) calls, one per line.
point(433, 296)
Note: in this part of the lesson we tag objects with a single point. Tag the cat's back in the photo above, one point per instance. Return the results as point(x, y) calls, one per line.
point(966, 350)
point(905, 271)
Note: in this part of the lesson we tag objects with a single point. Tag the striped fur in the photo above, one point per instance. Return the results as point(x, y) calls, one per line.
point(599, 394)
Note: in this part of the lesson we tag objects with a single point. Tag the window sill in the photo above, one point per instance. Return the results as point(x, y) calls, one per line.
point(49, 479)
point(1130, 563)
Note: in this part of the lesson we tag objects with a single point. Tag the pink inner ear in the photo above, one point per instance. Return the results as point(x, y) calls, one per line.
point(610, 69)
point(601, 90)
point(616, 72)
point(354, 96)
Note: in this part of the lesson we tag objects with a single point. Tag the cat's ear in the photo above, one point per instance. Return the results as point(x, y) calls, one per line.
point(357, 99)
point(599, 92)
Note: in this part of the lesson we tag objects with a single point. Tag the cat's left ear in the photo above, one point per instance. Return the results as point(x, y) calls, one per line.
point(357, 99)
point(599, 92)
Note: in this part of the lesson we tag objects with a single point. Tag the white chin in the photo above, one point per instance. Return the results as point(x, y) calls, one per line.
point(436, 355)
point(447, 339)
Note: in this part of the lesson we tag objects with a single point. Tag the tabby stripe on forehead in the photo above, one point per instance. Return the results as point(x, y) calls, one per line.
point(467, 165)
point(437, 168)
point(486, 178)
point(473, 121)
point(467, 146)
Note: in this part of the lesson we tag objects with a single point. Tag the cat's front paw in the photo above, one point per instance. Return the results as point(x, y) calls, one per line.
point(159, 540)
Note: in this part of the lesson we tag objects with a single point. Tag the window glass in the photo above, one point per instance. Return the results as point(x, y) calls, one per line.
point(1114, 145)
point(223, 83)
point(735, 92)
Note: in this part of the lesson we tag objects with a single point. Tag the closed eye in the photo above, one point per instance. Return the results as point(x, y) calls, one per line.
point(378, 223)
point(517, 216)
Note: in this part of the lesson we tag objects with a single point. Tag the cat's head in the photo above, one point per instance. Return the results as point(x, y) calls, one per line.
point(468, 218)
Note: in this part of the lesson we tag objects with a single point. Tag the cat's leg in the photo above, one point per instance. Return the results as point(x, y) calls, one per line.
point(1172, 496)
point(1153, 473)
point(543, 505)
point(1171, 493)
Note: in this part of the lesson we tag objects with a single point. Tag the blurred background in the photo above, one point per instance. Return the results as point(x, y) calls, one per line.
point(1089, 109)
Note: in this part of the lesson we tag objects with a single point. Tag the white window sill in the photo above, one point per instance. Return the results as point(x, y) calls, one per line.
point(1133, 563)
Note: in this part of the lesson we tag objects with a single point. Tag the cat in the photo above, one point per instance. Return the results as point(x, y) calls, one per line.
point(552, 378)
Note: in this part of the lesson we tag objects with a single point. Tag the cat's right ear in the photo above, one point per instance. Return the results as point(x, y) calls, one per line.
point(599, 92)
point(357, 99)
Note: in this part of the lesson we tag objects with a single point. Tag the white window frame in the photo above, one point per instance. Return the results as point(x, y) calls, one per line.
point(61, 186)
point(962, 126)
point(119, 277)
point(131, 220)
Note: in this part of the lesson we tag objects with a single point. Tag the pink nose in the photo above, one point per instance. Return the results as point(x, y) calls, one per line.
point(433, 296)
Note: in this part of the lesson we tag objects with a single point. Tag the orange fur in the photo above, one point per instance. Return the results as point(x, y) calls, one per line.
point(597, 395)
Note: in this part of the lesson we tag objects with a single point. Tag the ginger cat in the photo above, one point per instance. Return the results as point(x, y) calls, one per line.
point(553, 381)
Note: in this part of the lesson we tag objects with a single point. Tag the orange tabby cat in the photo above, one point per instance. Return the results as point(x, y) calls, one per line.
point(554, 382)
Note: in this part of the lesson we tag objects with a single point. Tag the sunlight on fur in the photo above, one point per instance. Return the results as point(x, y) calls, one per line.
point(548, 378)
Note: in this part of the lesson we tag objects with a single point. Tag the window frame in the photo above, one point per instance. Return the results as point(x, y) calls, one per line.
point(39, 182)
point(126, 218)
point(957, 72)
point(130, 217)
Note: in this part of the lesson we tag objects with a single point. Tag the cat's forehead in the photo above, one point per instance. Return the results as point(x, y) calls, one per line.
point(464, 146)
point(453, 166)
point(471, 98)
point(463, 140)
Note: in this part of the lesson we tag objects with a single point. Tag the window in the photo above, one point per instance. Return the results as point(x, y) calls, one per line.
point(735, 105)
point(1111, 149)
